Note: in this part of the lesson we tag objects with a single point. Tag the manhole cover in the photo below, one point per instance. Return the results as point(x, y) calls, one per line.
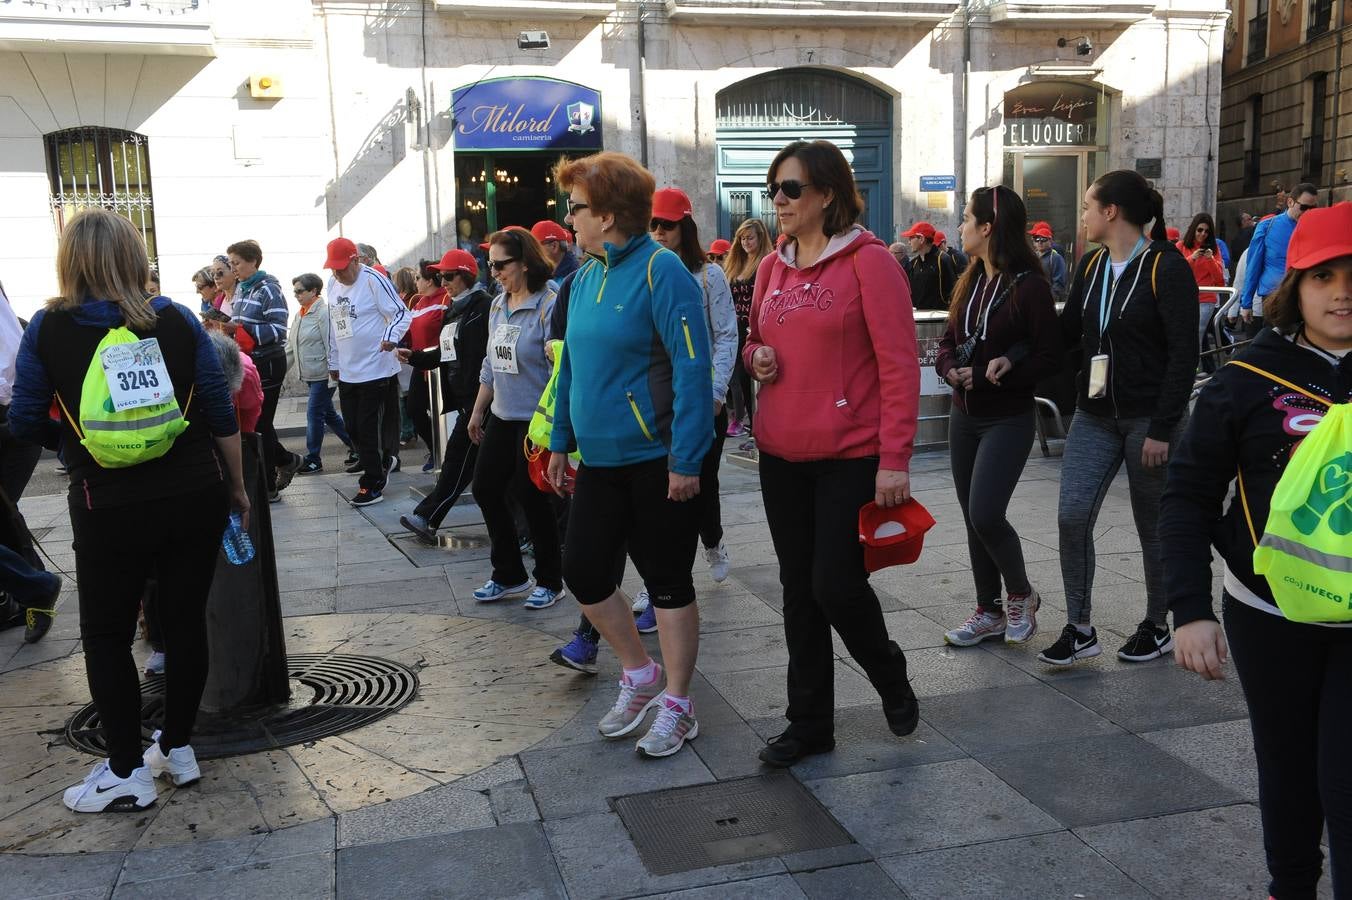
point(729, 822)
point(330, 694)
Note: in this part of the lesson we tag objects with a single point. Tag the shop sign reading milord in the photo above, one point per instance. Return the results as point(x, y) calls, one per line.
point(526, 114)
point(1052, 114)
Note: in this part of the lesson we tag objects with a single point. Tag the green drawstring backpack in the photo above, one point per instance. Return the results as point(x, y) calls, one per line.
point(1305, 552)
point(138, 426)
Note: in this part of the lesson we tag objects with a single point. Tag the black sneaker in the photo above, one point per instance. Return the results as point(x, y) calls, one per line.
point(418, 525)
point(310, 467)
point(352, 466)
point(366, 497)
point(786, 749)
point(287, 470)
point(1070, 646)
point(392, 465)
point(39, 618)
point(1149, 642)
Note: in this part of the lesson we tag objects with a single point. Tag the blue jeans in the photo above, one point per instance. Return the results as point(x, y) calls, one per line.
point(318, 413)
point(23, 582)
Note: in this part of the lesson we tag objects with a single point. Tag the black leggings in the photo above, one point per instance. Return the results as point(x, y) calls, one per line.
point(628, 504)
point(457, 471)
point(711, 510)
point(501, 467)
point(174, 540)
point(987, 455)
point(271, 365)
point(418, 404)
point(1295, 679)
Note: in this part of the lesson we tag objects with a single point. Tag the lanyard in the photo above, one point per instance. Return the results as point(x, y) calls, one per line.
point(1106, 299)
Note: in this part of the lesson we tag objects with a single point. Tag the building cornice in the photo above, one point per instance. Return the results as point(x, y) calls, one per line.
point(835, 12)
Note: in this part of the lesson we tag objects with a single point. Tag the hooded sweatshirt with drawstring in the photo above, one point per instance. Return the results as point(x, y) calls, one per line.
point(843, 333)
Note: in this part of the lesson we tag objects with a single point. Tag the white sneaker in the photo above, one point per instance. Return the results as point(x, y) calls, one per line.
point(180, 765)
point(103, 791)
point(718, 561)
point(155, 663)
point(641, 601)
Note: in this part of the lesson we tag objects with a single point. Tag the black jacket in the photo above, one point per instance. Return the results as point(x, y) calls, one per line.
point(460, 378)
point(1245, 423)
point(932, 279)
point(1150, 338)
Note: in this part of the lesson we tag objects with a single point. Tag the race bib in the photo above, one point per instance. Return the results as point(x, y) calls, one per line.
point(136, 374)
point(503, 349)
point(448, 342)
point(342, 324)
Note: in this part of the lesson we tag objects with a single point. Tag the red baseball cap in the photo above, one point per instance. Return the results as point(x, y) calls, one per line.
point(671, 205)
point(549, 230)
point(920, 229)
point(1321, 235)
point(1041, 229)
point(893, 536)
point(940, 237)
point(457, 261)
point(1173, 233)
point(720, 247)
point(341, 252)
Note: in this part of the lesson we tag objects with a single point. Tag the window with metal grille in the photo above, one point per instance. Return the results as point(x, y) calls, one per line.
point(1258, 33)
point(103, 168)
point(1321, 17)
point(1312, 157)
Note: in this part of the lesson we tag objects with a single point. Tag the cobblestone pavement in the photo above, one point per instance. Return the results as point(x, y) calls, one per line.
point(1107, 780)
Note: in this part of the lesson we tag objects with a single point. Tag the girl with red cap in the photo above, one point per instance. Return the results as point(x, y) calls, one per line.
point(1248, 422)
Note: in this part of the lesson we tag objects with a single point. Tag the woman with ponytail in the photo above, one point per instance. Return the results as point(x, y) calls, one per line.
point(1132, 309)
point(1002, 338)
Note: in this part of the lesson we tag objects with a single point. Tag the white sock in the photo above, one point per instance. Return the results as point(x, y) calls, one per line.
point(646, 674)
point(681, 703)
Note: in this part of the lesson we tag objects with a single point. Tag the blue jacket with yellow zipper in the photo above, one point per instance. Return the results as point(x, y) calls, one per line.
point(635, 380)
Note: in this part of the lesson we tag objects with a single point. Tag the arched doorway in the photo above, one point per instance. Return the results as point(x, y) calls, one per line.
point(758, 116)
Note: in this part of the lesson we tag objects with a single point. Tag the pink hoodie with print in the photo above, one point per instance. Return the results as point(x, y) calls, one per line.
point(844, 339)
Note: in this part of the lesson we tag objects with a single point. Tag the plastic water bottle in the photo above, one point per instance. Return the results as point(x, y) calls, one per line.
point(238, 548)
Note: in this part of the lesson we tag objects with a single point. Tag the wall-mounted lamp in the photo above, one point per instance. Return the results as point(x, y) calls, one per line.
point(1083, 47)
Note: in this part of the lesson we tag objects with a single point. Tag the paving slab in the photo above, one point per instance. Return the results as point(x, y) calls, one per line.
point(762, 692)
point(572, 780)
point(506, 861)
point(209, 857)
point(1091, 780)
point(63, 875)
point(848, 883)
point(440, 810)
point(1157, 697)
point(599, 861)
point(772, 888)
point(1030, 868)
point(1223, 751)
point(930, 806)
point(1014, 716)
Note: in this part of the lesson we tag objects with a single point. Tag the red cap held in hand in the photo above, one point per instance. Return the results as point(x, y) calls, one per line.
point(893, 536)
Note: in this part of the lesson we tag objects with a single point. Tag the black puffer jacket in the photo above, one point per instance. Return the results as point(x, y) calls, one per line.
point(1243, 422)
point(1150, 338)
point(460, 378)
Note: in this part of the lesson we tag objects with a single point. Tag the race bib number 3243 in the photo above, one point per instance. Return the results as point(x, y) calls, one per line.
point(136, 374)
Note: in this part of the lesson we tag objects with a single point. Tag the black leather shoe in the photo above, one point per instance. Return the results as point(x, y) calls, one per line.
point(786, 749)
point(903, 717)
point(11, 613)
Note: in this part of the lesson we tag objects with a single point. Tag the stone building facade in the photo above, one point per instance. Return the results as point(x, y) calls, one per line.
point(1286, 103)
point(416, 125)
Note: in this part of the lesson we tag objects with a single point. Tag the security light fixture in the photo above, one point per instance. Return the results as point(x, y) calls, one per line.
point(532, 40)
point(1082, 48)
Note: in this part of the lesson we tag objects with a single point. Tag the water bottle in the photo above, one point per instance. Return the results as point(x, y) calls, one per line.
point(238, 548)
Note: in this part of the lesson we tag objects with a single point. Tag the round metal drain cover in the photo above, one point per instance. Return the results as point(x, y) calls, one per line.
point(330, 693)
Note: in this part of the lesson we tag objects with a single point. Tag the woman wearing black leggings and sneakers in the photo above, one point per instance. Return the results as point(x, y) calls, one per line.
point(1249, 420)
point(1002, 338)
point(1132, 309)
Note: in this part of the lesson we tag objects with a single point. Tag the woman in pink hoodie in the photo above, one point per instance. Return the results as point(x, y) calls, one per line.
point(832, 343)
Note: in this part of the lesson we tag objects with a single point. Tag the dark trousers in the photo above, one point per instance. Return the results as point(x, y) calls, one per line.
point(1295, 679)
point(711, 511)
point(271, 365)
point(371, 413)
point(176, 542)
point(813, 512)
point(627, 505)
point(987, 455)
point(418, 402)
point(741, 395)
point(457, 471)
point(500, 468)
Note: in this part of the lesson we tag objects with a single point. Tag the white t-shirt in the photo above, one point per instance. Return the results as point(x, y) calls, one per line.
point(361, 315)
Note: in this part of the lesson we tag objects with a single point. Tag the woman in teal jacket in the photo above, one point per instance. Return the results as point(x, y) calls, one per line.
point(635, 397)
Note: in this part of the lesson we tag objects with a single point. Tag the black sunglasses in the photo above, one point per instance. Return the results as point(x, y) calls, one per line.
point(574, 207)
point(663, 225)
point(792, 188)
point(497, 265)
point(1306, 207)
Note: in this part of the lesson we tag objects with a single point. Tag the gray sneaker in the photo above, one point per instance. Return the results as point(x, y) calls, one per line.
point(980, 626)
point(631, 706)
point(1021, 617)
point(669, 731)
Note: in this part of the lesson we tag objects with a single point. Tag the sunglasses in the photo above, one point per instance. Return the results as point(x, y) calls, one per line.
point(497, 265)
point(1042, 240)
point(1306, 207)
point(663, 225)
point(792, 188)
point(574, 207)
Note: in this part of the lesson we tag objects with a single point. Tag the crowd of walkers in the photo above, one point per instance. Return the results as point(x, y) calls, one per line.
point(592, 397)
